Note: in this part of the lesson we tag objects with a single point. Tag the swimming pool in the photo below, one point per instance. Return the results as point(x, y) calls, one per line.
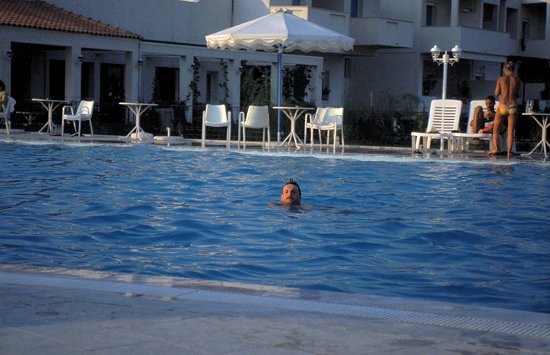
point(464, 232)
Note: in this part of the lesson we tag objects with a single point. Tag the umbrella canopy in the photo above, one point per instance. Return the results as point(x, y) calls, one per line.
point(280, 31)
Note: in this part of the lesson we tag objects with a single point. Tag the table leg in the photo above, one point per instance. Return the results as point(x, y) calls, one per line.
point(132, 131)
point(286, 139)
point(48, 124)
point(137, 128)
point(544, 129)
point(544, 142)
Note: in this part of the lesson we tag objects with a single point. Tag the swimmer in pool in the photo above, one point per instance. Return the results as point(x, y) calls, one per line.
point(291, 195)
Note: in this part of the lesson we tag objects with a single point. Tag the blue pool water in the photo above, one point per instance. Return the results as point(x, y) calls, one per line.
point(465, 232)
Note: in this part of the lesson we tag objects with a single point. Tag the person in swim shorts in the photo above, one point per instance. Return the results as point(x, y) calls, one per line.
point(508, 88)
point(291, 195)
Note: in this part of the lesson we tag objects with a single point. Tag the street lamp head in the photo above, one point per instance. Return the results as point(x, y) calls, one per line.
point(456, 52)
point(435, 52)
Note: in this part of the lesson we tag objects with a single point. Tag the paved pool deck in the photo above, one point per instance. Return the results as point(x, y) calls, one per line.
point(476, 153)
point(60, 311)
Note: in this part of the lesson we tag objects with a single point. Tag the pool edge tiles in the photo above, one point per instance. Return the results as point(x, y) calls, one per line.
point(29, 273)
point(367, 307)
point(396, 154)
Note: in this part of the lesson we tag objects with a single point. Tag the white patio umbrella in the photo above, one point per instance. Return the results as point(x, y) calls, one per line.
point(281, 32)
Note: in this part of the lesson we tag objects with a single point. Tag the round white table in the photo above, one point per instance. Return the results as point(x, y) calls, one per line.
point(544, 124)
point(293, 113)
point(137, 109)
point(50, 106)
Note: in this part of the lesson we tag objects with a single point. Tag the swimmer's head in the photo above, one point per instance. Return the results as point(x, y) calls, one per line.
point(291, 194)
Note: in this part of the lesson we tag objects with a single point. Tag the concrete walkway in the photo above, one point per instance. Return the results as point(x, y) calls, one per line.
point(59, 311)
point(22, 136)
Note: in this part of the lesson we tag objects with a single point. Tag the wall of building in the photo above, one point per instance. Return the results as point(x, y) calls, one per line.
point(160, 20)
point(246, 10)
point(384, 74)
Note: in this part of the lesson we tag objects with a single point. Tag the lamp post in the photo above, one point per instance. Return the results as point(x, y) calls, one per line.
point(445, 60)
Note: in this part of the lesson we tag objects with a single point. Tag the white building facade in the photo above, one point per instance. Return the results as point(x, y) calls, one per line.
point(158, 48)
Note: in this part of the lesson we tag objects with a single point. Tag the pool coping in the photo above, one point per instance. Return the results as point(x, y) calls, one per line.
point(20, 135)
point(424, 312)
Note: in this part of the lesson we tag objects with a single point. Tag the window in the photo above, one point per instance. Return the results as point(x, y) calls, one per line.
point(354, 8)
point(430, 15)
point(489, 17)
point(57, 80)
point(87, 83)
point(512, 22)
point(111, 88)
point(165, 84)
point(347, 68)
point(212, 87)
point(525, 29)
point(326, 86)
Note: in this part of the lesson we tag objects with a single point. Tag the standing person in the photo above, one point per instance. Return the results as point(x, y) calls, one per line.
point(508, 88)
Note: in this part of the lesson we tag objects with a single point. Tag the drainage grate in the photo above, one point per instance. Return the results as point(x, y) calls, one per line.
point(471, 323)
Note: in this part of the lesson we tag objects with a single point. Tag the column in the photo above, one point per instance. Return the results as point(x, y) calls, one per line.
point(73, 65)
point(454, 13)
point(5, 64)
point(131, 77)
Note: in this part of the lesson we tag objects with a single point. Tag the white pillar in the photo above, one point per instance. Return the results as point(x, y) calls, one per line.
point(73, 73)
point(454, 13)
point(131, 77)
point(445, 70)
point(5, 64)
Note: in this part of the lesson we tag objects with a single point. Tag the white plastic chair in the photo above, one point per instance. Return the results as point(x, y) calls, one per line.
point(312, 120)
point(84, 112)
point(333, 120)
point(444, 119)
point(6, 112)
point(256, 117)
point(216, 116)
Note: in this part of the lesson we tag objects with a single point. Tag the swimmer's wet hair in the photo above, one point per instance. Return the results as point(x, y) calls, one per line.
point(293, 182)
point(509, 66)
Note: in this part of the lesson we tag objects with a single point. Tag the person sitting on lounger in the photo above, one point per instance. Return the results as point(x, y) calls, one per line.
point(481, 119)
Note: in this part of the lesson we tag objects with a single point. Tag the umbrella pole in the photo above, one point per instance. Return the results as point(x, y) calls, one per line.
point(279, 90)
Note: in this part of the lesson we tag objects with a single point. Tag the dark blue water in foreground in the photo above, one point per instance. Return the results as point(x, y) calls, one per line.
point(471, 232)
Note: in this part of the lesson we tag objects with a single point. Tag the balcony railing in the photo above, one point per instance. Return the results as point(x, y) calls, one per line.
point(337, 21)
point(479, 41)
point(381, 32)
